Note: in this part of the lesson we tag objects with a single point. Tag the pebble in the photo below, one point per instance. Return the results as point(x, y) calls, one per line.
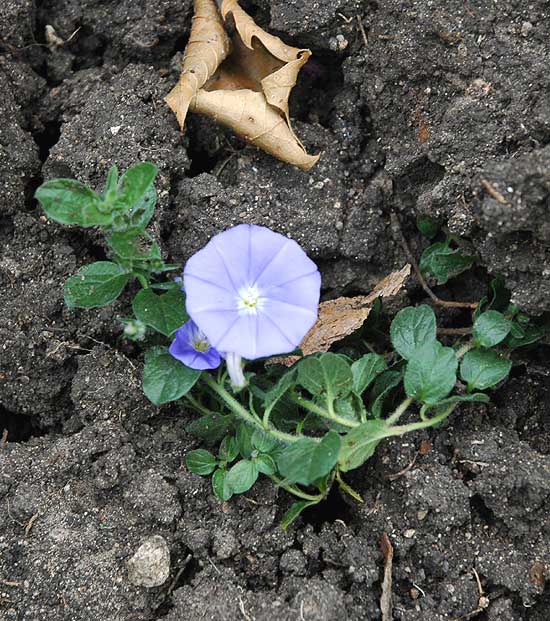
point(150, 565)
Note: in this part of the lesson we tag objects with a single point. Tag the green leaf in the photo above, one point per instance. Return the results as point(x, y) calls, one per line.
point(326, 373)
point(442, 262)
point(431, 373)
point(531, 334)
point(132, 246)
point(285, 383)
point(360, 443)
point(427, 225)
point(140, 215)
point(491, 328)
point(219, 485)
point(165, 378)
point(482, 369)
point(262, 442)
point(244, 440)
point(242, 476)
point(70, 202)
point(200, 462)
point(210, 427)
point(266, 464)
point(94, 285)
point(365, 370)
point(164, 313)
point(413, 327)
point(134, 184)
point(229, 449)
point(295, 511)
point(111, 185)
point(383, 385)
point(306, 460)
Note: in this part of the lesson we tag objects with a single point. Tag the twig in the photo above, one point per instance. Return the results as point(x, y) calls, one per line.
point(397, 475)
point(385, 598)
point(362, 30)
point(445, 303)
point(454, 331)
point(4, 439)
point(492, 191)
point(30, 524)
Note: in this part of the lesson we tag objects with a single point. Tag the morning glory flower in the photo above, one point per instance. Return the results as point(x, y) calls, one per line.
point(253, 292)
point(191, 347)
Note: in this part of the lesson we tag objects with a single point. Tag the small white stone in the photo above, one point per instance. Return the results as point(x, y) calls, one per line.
point(115, 129)
point(150, 565)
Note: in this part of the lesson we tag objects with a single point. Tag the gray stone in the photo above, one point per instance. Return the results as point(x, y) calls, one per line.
point(150, 565)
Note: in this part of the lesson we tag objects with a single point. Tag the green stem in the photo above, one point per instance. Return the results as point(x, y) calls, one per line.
point(465, 349)
point(142, 280)
point(244, 414)
point(399, 411)
point(292, 489)
point(315, 409)
point(399, 430)
point(198, 406)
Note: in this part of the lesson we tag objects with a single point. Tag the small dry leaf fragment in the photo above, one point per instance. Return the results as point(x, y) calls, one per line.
point(244, 83)
point(343, 316)
point(385, 598)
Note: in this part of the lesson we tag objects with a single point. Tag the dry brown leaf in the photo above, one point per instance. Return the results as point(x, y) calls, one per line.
point(247, 92)
point(343, 316)
point(208, 47)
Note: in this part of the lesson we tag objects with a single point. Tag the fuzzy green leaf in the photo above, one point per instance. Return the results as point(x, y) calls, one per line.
point(365, 370)
point(431, 373)
point(70, 202)
point(210, 427)
point(164, 313)
point(306, 461)
point(427, 226)
point(491, 328)
point(482, 369)
point(326, 373)
point(219, 485)
point(166, 379)
point(242, 476)
point(134, 184)
point(360, 443)
point(443, 262)
point(295, 511)
point(413, 327)
point(95, 285)
point(200, 462)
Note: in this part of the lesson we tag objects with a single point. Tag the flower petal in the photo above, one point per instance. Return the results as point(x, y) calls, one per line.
point(182, 349)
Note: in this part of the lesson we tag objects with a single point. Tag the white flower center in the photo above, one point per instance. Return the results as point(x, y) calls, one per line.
point(249, 300)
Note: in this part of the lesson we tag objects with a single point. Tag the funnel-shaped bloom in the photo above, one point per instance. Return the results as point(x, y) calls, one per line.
point(191, 347)
point(252, 291)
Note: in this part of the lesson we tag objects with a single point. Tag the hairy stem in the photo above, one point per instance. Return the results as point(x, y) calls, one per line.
point(319, 411)
point(399, 411)
point(242, 413)
point(295, 490)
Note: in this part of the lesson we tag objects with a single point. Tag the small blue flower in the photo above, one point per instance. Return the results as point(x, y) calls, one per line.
point(191, 347)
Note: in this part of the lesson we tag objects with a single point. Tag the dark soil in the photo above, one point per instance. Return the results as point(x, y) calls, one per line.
point(447, 94)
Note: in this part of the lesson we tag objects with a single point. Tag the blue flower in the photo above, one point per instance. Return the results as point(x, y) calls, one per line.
point(191, 347)
point(253, 292)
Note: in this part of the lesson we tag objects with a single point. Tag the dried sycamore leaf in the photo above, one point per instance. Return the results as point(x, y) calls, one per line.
point(207, 48)
point(343, 316)
point(248, 92)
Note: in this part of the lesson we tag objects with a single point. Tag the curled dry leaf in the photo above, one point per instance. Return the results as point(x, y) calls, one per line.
point(343, 316)
point(243, 83)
